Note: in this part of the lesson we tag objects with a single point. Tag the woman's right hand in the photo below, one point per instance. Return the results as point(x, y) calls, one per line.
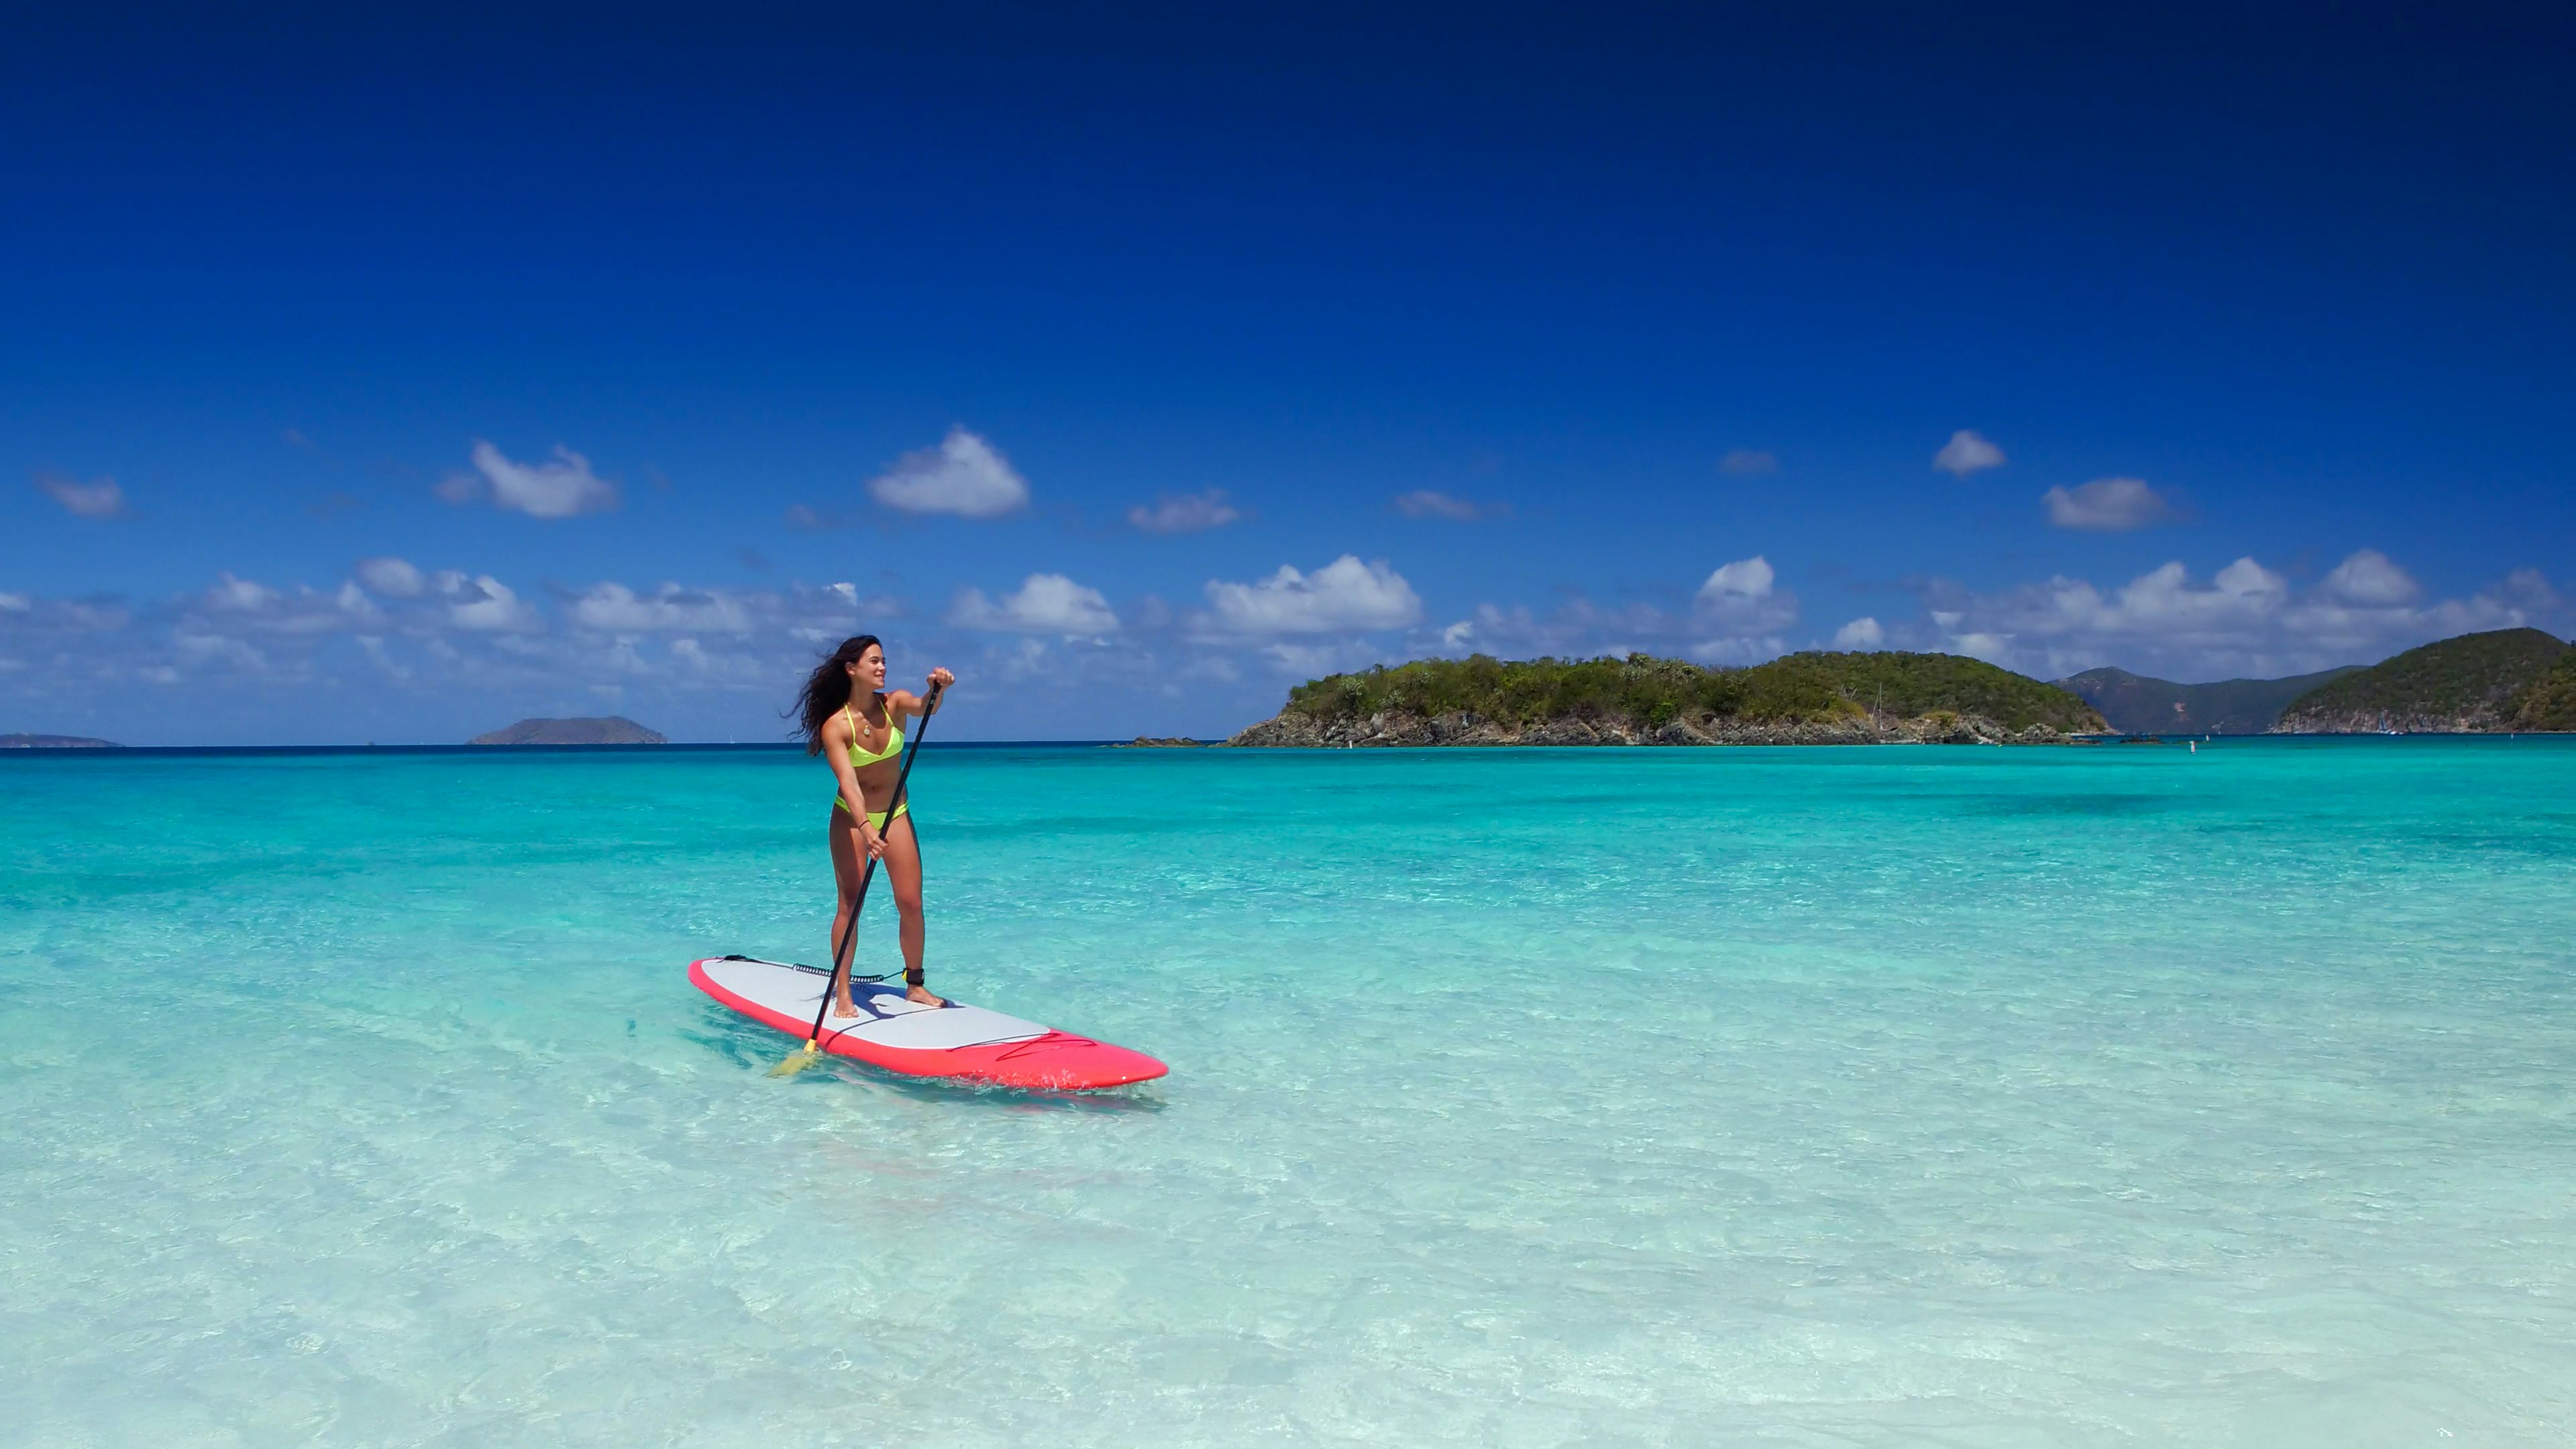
point(870, 841)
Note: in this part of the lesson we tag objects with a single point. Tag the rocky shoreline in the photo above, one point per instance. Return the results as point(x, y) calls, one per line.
point(2484, 720)
point(1393, 728)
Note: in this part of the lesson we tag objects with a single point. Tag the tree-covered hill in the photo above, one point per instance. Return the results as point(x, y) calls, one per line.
point(2473, 683)
point(1820, 698)
point(2550, 703)
point(2137, 704)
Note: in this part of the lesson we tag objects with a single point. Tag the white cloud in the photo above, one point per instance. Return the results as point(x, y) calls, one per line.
point(2370, 580)
point(466, 636)
point(246, 603)
point(1303, 660)
point(392, 578)
point(1429, 503)
point(86, 616)
point(482, 604)
point(1185, 513)
point(2246, 620)
point(562, 488)
point(1744, 579)
point(1966, 452)
point(1068, 670)
point(964, 476)
point(1992, 648)
point(100, 498)
point(1578, 629)
point(1043, 604)
point(1861, 633)
point(1739, 612)
point(1748, 461)
point(239, 596)
point(1738, 616)
point(2107, 505)
point(1345, 595)
point(616, 609)
point(15, 604)
point(2163, 603)
point(202, 649)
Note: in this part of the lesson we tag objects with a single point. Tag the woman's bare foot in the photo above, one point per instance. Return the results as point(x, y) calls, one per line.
point(920, 996)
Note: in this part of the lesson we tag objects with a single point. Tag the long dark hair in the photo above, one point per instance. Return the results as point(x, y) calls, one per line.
point(828, 688)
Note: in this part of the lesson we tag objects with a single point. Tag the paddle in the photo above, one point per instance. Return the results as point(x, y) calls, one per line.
point(845, 950)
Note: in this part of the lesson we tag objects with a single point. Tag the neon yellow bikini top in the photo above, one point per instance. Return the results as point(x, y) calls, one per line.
point(860, 759)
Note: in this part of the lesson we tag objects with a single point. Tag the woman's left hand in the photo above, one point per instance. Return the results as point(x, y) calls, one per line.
point(941, 679)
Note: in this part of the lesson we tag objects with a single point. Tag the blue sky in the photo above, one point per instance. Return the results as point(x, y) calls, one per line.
point(392, 379)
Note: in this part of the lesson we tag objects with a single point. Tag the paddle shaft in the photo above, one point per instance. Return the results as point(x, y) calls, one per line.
point(846, 949)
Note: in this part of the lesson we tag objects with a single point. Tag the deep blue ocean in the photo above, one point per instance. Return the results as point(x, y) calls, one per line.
point(1872, 1096)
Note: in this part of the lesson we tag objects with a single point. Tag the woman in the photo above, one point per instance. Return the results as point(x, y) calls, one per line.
point(851, 721)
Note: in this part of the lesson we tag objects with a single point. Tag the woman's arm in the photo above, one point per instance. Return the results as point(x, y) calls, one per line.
point(904, 701)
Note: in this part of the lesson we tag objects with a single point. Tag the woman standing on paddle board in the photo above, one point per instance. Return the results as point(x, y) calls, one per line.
point(851, 720)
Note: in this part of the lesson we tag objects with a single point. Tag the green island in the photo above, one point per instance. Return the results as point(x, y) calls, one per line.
point(2498, 681)
point(1808, 698)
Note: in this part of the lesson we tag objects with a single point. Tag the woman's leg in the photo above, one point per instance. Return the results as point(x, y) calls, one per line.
point(902, 865)
point(848, 860)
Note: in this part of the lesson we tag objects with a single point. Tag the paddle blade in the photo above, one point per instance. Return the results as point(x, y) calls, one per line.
point(797, 1061)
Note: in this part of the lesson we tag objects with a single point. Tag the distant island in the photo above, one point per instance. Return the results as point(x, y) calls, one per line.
point(1811, 698)
point(2492, 683)
point(56, 742)
point(2138, 705)
point(613, 730)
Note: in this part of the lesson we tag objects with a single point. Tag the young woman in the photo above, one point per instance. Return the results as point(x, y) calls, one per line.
point(854, 724)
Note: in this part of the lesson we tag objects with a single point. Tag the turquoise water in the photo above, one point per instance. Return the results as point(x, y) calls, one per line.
point(1855, 1097)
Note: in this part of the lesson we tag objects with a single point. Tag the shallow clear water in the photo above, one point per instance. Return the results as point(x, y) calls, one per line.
point(1853, 1097)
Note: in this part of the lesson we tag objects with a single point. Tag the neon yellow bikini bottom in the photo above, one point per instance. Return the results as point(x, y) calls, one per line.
point(876, 818)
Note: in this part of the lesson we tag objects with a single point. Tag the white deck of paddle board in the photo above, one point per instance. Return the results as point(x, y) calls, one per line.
point(885, 1017)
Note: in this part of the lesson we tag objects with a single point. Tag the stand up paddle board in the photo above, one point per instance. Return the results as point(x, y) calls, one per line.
point(967, 1042)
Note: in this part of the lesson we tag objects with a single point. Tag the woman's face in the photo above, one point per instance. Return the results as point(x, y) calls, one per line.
point(869, 668)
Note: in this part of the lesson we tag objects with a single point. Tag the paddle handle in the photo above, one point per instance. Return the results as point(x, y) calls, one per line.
point(846, 948)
